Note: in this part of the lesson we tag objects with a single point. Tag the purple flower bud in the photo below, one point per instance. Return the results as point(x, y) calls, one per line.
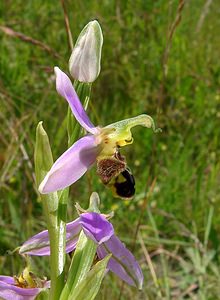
point(84, 63)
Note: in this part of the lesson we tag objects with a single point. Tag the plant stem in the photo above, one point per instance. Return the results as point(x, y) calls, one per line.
point(57, 260)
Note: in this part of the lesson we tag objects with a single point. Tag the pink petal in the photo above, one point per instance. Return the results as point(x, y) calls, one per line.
point(71, 165)
point(9, 291)
point(122, 262)
point(39, 244)
point(66, 90)
point(96, 227)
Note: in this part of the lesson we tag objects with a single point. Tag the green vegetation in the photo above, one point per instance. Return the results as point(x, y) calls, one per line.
point(175, 80)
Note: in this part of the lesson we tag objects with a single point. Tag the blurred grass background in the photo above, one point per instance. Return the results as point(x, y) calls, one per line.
point(160, 58)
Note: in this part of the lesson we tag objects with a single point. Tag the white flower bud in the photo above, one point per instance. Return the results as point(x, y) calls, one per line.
point(84, 63)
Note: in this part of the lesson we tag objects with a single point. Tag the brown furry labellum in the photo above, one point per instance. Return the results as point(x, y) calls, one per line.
point(115, 174)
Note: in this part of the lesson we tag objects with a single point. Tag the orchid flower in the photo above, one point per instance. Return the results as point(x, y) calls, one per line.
point(99, 142)
point(24, 287)
point(101, 231)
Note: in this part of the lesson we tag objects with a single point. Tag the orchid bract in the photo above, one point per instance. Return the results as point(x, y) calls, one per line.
point(100, 142)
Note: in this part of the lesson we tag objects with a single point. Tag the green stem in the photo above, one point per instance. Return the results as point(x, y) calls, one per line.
point(57, 260)
point(163, 261)
point(208, 226)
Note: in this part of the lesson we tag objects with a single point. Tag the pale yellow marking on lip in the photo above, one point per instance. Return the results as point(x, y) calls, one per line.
point(119, 134)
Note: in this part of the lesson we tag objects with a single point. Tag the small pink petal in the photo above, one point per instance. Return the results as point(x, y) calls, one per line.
point(96, 227)
point(122, 262)
point(9, 291)
point(39, 244)
point(66, 90)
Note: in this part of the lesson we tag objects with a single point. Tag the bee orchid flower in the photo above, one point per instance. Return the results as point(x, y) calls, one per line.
point(101, 231)
point(24, 287)
point(99, 142)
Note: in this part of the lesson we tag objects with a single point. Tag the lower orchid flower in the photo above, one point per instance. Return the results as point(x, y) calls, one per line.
point(100, 143)
point(25, 287)
point(101, 231)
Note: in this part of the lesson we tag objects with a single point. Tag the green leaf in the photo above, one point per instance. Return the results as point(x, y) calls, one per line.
point(42, 156)
point(81, 264)
point(88, 288)
point(43, 162)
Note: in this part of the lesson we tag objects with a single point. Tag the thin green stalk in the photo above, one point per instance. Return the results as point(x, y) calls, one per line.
point(208, 226)
point(163, 262)
point(56, 258)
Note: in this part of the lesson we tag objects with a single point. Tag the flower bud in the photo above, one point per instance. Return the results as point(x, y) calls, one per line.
point(84, 63)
